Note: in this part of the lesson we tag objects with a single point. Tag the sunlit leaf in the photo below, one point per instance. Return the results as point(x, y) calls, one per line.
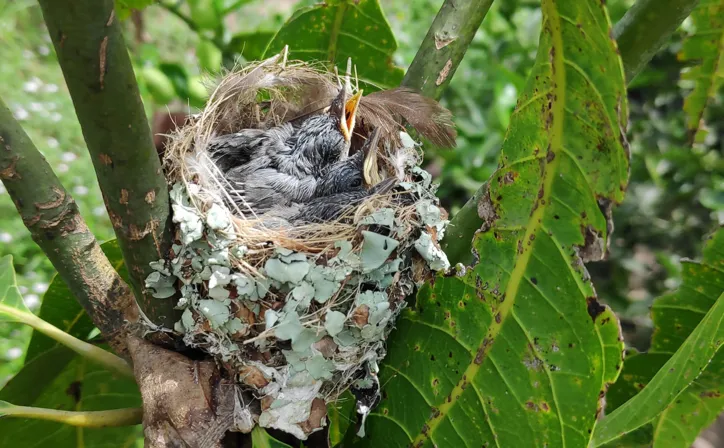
point(678, 399)
point(705, 46)
point(339, 29)
point(516, 351)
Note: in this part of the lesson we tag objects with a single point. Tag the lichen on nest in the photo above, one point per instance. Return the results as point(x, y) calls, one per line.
point(297, 313)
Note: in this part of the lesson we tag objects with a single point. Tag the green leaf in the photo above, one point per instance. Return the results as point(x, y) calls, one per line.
point(251, 45)
point(336, 30)
point(124, 7)
point(9, 294)
point(261, 439)
point(705, 46)
point(516, 350)
point(160, 86)
point(204, 14)
point(340, 415)
point(209, 56)
point(80, 386)
point(60, 308)
point(677, 400)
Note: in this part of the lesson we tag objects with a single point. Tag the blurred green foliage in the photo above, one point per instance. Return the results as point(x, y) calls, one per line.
point(676, 193)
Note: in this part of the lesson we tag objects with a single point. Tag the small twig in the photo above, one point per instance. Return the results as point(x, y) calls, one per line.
point(85, 419)
point(86, 350)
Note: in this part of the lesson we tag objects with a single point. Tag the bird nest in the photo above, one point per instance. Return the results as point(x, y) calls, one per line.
point(298, 310)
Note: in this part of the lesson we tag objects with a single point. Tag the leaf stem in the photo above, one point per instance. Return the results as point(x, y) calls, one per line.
point(85, 419)
point(444, 46)
point(645, 28)
point(89, 351)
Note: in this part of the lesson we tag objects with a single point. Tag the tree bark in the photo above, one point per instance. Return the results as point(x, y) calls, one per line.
point(97, 69)
point(444, 45)
point(52, 217)
point(645, 29)
point(641, 32)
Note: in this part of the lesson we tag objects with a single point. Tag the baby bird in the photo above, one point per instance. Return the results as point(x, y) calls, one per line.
point(341, 187)
point(284, 164)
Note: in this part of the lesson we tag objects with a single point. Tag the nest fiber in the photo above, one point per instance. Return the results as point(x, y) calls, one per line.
point(298, 313)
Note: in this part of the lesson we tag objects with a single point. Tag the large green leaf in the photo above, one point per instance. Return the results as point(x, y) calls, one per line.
point(60, 308)
point(516, 351)
point(339, 29)
point(80, 386)
point(705, 46)
point(677, 401)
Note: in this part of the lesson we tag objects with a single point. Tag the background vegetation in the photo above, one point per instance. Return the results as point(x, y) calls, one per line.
point(675, 196)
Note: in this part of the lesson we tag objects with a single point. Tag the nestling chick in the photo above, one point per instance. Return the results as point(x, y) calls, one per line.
point(284, 164)
point(341, 187)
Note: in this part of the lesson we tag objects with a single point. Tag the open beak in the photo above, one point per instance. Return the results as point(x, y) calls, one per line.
point(348, 116)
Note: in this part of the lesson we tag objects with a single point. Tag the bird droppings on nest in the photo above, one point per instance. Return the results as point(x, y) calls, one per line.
point(303, 220)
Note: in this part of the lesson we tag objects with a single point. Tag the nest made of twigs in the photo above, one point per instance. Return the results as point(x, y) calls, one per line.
point(298, 311)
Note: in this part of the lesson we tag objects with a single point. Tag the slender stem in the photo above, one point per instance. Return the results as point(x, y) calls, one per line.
point(85, 419)
point(641, 33)
point(97, 69)
point(444, 45)
point(51, 216)
point(86, 350)
point(645, 28)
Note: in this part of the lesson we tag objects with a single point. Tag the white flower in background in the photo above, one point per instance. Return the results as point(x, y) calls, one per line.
point(31, 301)
point(14, 353)
point(44, 50)
point(40, 287)
point(51, 88)
point(68, 157)
point(80, 190)
point(99, 211)
point(2, 189)
point(52, 143)
point(20, 113)
point(61, 168)
point(5, 237)
point(33, 85)
point(27, 54)
point(36, 107)
point(23, 289)
point(56, 117)
point(51, 105)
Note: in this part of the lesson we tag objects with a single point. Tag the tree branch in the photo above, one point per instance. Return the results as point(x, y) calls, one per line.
point(52, 217)
point(444, 45)
point(97, 69)
point(641, 33)
point(645, 28)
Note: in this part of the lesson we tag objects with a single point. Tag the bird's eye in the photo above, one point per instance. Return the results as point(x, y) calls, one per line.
point(356, 183)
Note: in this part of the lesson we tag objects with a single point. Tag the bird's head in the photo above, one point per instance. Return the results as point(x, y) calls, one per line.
point(348, 174)
point(343, 112)
point(325, 138)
